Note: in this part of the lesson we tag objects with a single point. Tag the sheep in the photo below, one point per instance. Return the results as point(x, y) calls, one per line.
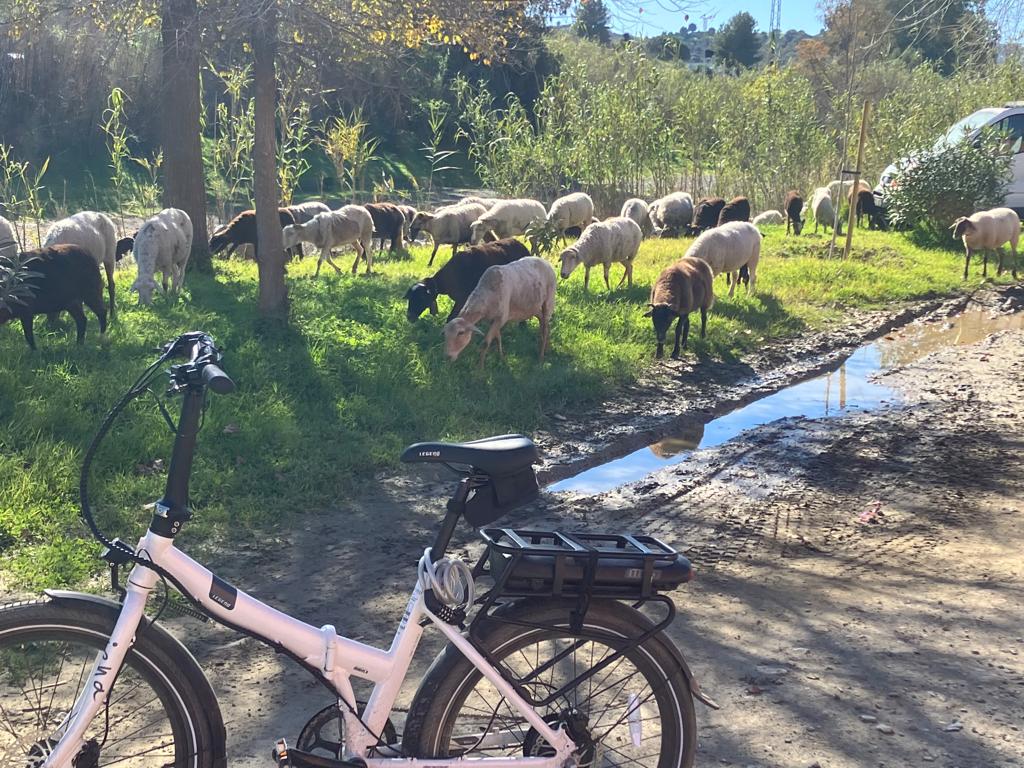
point(506, 293)
point(303, 212)
point(847, 185)
point(8, 238)
point(242, 229)
point(388, 224)
point(737, 209)
point(671, 214)
point(768, 218)
point(728, 248)
point(94, 232)
point(681, 288)
point(989, 230)
point(457, 278)
point(576, 231)
point(705, 215)
point(637, 210)
point(508, 218)
point(162, 244)
point(486, 202)
point(573, 210)
point(822, 210)
point(349, 224)
point(616, 239)
point(447, 226)
point(66, 276)
point(793, 206)
point(863, 203)
point(409, 212)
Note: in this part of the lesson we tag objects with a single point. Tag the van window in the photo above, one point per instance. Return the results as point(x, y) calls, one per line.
point(1011, 130)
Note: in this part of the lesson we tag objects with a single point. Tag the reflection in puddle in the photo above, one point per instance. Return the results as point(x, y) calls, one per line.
point(846, 389)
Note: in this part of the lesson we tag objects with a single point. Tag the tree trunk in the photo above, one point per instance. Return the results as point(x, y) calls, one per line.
point(270, 257)
point(183, 157)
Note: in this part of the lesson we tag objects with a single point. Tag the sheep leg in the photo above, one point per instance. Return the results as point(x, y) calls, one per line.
point(360, 253)
point(545, 329)
point(433, 254)
point(26, 328)
point(586, 278)
point(1013, 259)
point(109, 266)
point(95, 303)
point(368, 254)
point(682, 327)
point(703, 321)
point(75, 310)
point(607, 269)
point(501, 349)
point(967, 262)
point(732, 285)
point(984, 262)
point(751, 279)
point(484, 350)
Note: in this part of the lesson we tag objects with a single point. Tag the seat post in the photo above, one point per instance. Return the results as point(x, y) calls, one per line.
point(456, 507)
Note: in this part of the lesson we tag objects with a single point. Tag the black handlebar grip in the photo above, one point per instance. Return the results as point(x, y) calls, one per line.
point(217, 380)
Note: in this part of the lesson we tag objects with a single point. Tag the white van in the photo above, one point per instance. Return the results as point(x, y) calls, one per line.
point(1008, 120)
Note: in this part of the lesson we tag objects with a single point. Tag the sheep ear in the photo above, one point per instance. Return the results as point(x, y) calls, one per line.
point(649, 313)
point(433, 306)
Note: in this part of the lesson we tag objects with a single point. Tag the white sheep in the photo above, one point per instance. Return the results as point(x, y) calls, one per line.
point(846, 185)
point(616, 239)
point(162, 244)
point(8, 238)
point(94, 232)
point(450, 225)
point(728, 248)
point(989, 230)
point(769, 218)
point(507, 219)
point(638, 210)
point(333, 229)
point(409, 212)
point(672, 213)
point(505, 294)
point(303, 212)
point(822, 210)
point(486, 202)
point(573, 210)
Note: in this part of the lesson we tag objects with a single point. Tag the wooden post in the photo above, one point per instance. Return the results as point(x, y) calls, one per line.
point(856, 178)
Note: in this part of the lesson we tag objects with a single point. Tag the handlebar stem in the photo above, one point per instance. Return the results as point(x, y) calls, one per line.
point(172, 511)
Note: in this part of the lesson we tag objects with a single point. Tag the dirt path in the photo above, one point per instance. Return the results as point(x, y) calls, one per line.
point(860, 598)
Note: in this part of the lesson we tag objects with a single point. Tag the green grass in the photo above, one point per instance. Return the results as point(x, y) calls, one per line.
point(325, 403)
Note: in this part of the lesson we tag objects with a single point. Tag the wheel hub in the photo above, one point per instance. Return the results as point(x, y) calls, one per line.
point(576, 726)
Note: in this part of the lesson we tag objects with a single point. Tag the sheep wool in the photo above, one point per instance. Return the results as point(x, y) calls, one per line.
point(163, 244)
point(303, 212)
point(8, 238)
point(768, 218)
point(573, 210)
point(333, 229)
point(989, 230)
point(638, 210)
point(822, 210)
point(451, 225)
point(729, 247)
point(672, 213)
point(681, 288)
point(616, 239)
point(94, 232)
point(508, 218)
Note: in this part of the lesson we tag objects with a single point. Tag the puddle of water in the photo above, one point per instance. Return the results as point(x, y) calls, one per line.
point(849, 388)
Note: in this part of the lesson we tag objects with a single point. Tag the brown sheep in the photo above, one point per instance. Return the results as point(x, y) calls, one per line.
point(681, 288)
point(794, 205)
point(737, 209)
point(242, 229)
point(705, 215)
point(388, 224)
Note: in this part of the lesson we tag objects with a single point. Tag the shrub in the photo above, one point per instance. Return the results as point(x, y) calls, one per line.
point(935, 186)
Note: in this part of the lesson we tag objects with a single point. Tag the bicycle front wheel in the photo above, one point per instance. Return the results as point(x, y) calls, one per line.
point(635, 711)
point(154, 716)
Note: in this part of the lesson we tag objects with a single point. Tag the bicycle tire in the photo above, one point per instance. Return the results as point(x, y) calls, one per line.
point(452, 678)
point(32, 634)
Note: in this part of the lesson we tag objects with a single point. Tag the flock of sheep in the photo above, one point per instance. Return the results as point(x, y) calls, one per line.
point(494, 277)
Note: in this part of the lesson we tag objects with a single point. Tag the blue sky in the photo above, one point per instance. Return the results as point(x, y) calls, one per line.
point(650, 17)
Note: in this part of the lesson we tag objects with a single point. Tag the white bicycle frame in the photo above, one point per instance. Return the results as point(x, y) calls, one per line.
point(337, 658)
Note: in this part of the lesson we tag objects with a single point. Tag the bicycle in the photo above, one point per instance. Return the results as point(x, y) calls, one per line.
point(557, 667)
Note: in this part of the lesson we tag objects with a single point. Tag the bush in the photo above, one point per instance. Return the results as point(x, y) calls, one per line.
point(935, 186)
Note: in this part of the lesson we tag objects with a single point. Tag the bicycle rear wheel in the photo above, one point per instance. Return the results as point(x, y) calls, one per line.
point(154, 716)
point(636, 711)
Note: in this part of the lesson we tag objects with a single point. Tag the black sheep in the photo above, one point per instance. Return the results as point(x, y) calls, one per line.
point(65, 277)
point(792, 208)
point(242, 229)
point(737, 209)
point(705, 215)
point(388, 224)
point(864, 203)
point(459, 276)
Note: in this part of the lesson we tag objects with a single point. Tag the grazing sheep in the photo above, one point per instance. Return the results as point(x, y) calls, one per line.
point(452, 225)
point(672, 214)
point(863, 203)
point(162, 244)
point(705, 215)
point(409, 213)
point(66, 276)
point(303, 212)
point(794, 205)
point(616, 239)
point(575, 232)
point(8, 238)
point(95, 233)
point(822, 210)
point(242, 229)
point(460, 275)
point(349, 224)
point(989, 230)
point(737, 209)
point(508, 218)
point(728, 248)
point(388, 224)
point(506, 293)
point(486, 202)
point(638, 210)
point(681, 288)
point(573, 210)
point(768, 218)
point(838, 188)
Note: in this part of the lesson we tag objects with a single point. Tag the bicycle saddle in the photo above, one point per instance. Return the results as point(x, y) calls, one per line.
point(499, 456)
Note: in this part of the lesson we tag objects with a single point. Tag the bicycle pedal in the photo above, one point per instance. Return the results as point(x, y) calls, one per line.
point(280, 753)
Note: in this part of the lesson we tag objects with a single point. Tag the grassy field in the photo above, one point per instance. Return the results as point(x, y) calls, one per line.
point(327, 402)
